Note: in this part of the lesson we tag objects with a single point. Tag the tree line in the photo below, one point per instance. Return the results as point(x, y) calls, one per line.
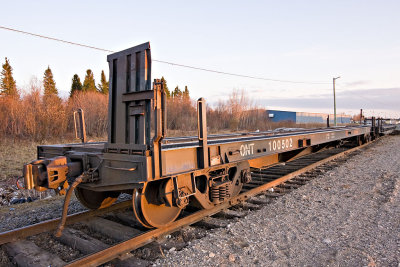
point(8, 85)
point(89, 84)
point(178, 93)
point(41, 114)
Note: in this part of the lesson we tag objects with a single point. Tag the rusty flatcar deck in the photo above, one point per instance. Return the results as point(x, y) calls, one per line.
point(191, 141)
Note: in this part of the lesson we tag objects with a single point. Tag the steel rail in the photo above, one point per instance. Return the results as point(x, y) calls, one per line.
point(34, 229)
point(123, 249)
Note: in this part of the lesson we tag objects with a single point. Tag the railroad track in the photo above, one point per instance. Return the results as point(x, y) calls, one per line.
point(110, 235)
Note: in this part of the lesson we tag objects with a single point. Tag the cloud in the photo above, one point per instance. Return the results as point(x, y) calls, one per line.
point(357, 83)
point(255, 91)
point(372, 99)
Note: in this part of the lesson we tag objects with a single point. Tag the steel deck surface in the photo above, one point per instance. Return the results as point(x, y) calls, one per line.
point(191, 141)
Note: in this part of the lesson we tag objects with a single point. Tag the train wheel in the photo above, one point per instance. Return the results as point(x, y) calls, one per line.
point(95, 200)
point(153, 204)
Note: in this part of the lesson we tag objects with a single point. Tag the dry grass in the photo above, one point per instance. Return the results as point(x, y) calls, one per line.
point(14, 153)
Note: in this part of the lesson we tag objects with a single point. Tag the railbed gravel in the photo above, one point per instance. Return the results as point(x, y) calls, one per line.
point(348, 216)
point(19, 215)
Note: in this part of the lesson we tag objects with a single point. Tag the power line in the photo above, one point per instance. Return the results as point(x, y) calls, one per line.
point(162, 61)
point(235, 74)
point(55, 39)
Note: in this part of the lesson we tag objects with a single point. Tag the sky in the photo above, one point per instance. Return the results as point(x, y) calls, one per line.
point(307, 41)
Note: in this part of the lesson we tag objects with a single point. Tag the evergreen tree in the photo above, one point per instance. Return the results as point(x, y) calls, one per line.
point(89, 84)
point(49, 84)
point(164, 82)
point(177, 92)
point(8, 86)
point(103, 85)
point(186, 92)
point(76, 85)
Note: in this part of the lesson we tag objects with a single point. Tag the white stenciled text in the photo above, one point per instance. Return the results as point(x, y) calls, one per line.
point(246, 150)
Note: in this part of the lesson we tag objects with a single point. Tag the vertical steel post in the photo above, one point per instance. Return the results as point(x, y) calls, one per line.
point(374, 126)
point(159, 107)
point(202, 132)
point(334, 103)
point(334, 100)
point(79, 124)
point(361, 116)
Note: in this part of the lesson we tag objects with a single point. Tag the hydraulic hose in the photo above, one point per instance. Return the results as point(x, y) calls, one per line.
point(67, 199)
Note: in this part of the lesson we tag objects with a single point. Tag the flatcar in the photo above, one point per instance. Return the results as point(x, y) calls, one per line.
point(165, 175)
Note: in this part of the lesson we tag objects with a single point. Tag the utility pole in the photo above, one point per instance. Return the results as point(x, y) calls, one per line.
point(334, 100)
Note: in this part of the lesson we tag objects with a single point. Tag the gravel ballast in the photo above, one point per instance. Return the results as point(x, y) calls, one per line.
point(350, 216)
